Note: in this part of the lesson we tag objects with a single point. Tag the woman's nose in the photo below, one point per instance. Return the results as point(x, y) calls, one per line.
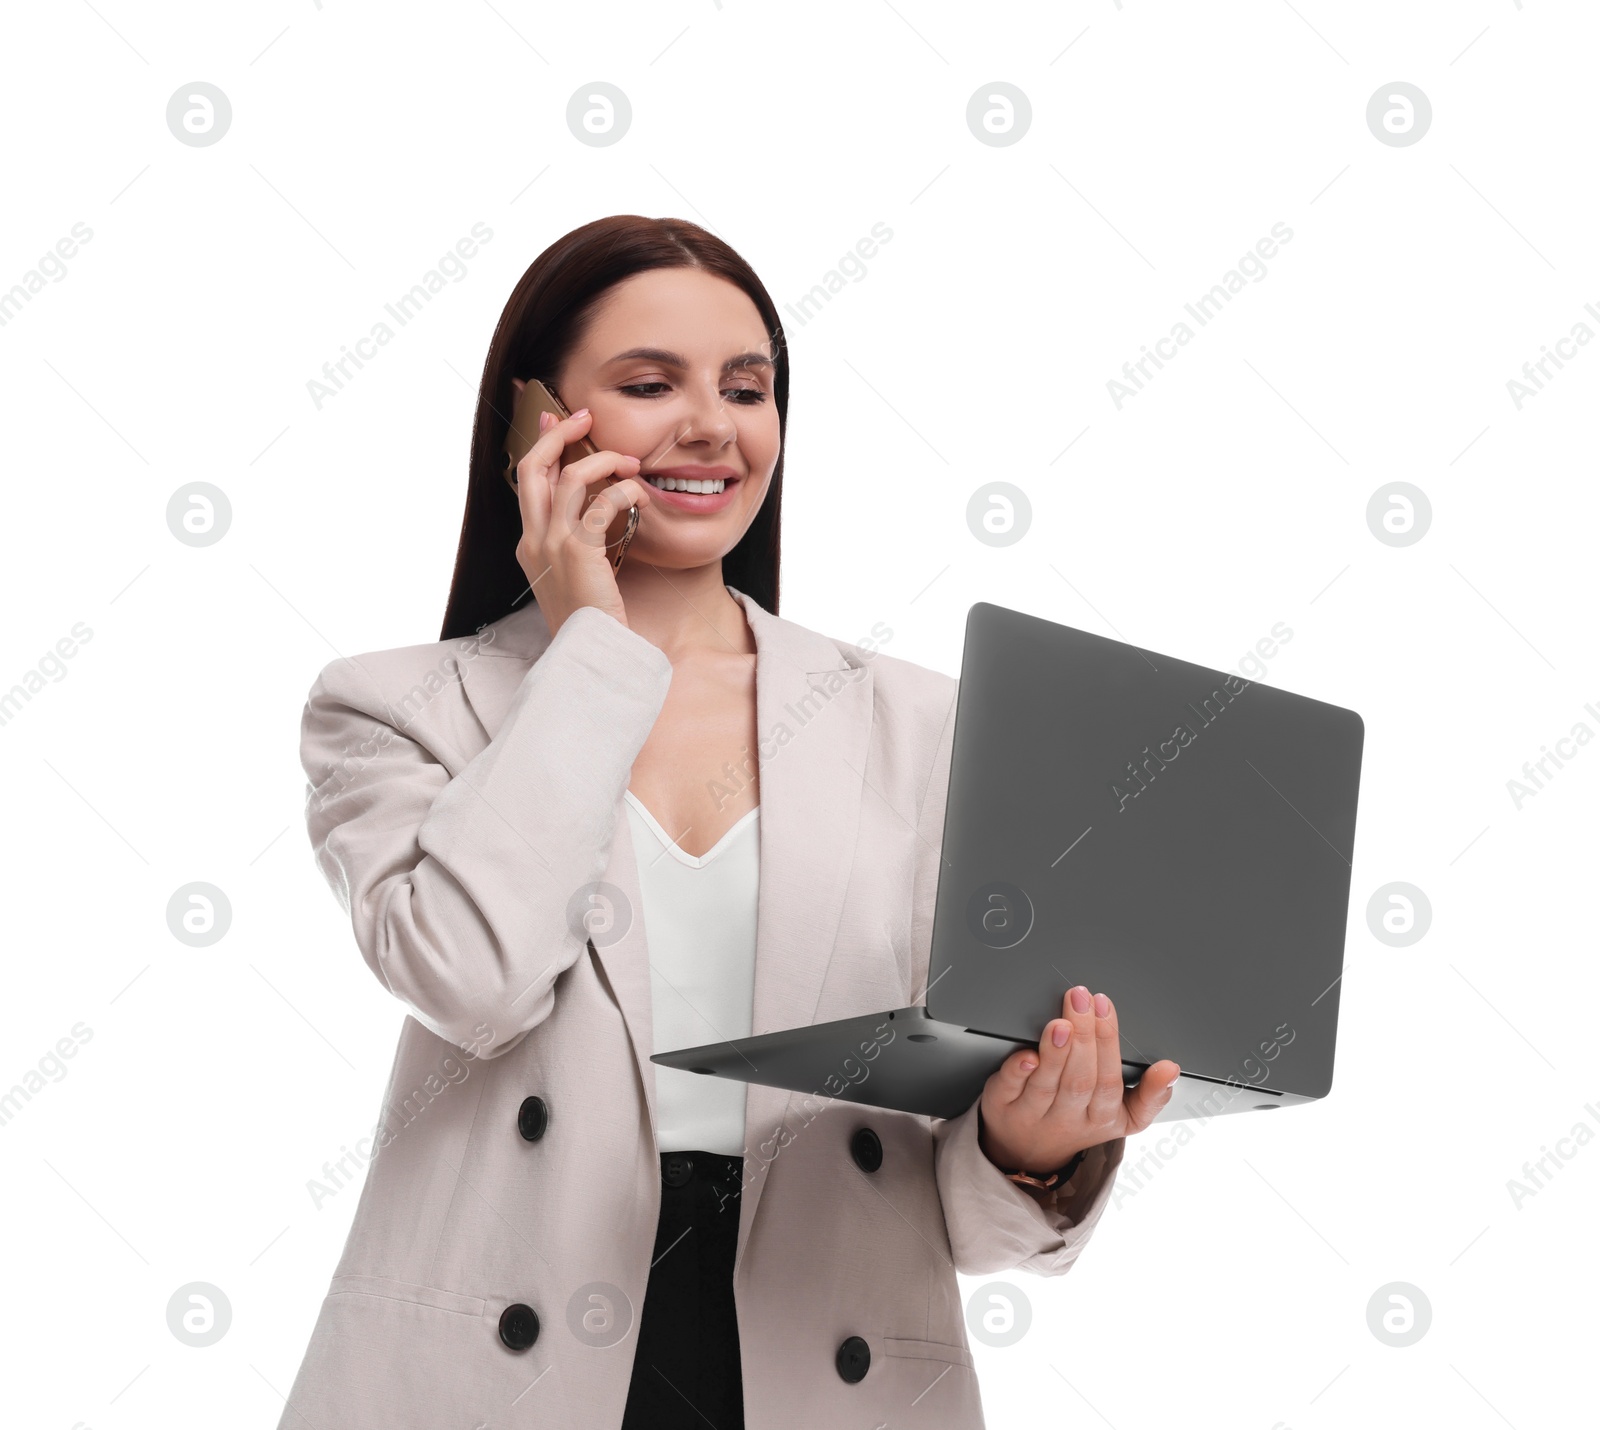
point(708, 418)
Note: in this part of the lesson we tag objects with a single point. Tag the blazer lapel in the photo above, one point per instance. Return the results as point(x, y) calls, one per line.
point(813, 724)
point(493, 663)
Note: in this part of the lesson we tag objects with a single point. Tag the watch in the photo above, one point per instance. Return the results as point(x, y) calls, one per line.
point(1061, 1174)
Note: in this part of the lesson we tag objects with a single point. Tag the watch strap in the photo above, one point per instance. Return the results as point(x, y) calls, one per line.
point(1061, 1174)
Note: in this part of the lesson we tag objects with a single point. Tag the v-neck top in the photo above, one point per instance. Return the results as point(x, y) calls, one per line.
point(700, 928)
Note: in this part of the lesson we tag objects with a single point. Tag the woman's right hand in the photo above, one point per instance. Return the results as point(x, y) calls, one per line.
point(563, 550)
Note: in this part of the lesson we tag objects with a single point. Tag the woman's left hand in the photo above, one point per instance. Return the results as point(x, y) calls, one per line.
point(1040, 1108)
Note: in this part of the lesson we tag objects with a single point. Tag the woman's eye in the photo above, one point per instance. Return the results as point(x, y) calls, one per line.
point(742, 396)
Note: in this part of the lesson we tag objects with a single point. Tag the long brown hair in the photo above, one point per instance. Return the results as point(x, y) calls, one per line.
point(544, 319)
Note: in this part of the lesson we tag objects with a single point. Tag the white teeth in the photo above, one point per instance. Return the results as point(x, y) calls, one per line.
point(687, 484)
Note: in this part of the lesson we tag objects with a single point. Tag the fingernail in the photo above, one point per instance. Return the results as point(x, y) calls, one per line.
point(545, 419)
point(1080, 999)
point(1028, 1065)
point(1173, 1083)
point(1102, 1006)
point(1058, 1035)
point(581, 412)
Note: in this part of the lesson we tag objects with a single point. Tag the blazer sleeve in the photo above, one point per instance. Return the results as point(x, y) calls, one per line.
point(458, 889)
point(994, 1224)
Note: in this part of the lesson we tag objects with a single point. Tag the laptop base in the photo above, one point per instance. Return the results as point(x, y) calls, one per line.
point(909, 1061)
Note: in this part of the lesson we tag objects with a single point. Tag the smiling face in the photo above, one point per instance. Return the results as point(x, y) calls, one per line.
point(676, 367)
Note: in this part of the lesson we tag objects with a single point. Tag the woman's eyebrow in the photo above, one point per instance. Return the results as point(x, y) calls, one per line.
point(671, 359)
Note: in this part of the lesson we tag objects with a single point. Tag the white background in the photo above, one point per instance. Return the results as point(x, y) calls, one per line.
point(1232, 1288)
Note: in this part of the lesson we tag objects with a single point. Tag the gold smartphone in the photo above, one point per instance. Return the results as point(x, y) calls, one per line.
point(537, 397)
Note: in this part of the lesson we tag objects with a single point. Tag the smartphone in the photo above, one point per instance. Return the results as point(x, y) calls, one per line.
point(537, 397)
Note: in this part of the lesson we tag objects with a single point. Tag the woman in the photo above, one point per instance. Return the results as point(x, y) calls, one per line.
point(545, 830)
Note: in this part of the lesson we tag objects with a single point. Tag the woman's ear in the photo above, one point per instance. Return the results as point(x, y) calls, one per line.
point(517, 384)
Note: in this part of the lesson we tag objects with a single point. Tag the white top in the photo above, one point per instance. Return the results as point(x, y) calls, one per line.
point(700, 927)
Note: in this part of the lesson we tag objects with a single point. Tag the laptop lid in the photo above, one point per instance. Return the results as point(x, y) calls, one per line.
point(1176, 837)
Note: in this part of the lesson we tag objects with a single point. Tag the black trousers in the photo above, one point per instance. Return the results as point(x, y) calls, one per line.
point(686, 1365)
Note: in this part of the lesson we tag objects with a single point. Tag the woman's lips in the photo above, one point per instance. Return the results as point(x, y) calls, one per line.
point(696, 501)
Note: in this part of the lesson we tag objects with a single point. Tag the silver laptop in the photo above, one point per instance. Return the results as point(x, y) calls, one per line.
point(1176, 837)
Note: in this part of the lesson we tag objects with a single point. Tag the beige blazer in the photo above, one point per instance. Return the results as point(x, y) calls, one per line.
point(464, 798)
